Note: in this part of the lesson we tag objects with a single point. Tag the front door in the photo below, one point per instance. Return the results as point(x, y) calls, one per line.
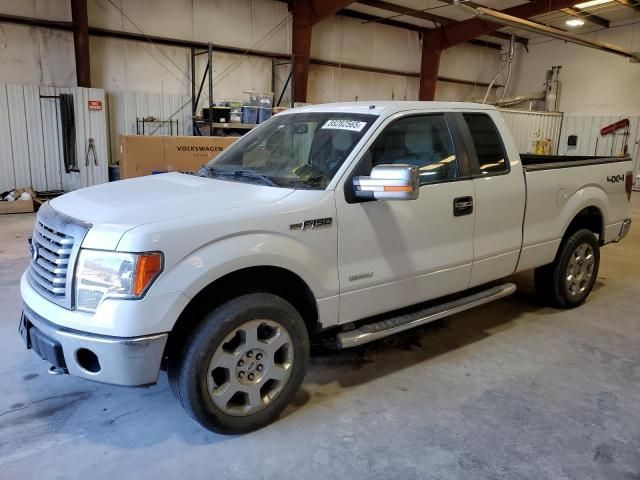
point(392, 254)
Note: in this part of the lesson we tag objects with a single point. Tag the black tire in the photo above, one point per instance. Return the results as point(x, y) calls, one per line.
point(551, 280)
point(188, 370)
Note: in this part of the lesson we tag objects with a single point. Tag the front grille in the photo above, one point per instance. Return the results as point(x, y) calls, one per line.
point(55, 243)
point(52, 251)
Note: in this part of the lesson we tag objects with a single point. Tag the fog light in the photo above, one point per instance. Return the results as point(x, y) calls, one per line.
point(88, 360)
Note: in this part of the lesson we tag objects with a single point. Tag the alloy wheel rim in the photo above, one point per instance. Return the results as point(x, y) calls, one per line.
point(580, 270)
point(250, 367)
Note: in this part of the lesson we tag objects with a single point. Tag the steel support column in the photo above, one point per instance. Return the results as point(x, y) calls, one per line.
point(301, 49)
point(80, 24)
point(306, 13)
point(429, 69)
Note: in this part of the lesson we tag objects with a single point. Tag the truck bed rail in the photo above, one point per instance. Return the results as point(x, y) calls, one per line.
point(549, 162)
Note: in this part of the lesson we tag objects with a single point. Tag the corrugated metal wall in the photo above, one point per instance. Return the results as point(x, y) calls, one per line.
point(590, 142)
point(31, 141)
point(559, 127)
point(125, 107)
point(524, 124)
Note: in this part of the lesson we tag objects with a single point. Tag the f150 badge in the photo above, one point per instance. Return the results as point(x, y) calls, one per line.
point(615, 178)
point(312, 224)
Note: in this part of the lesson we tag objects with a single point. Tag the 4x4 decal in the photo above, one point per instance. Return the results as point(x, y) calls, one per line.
point(615, 178)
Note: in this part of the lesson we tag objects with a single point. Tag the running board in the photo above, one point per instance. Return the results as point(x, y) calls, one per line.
point(389, 326)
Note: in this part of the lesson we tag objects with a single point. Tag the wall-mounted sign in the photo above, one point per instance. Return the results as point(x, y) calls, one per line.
point(95, 104)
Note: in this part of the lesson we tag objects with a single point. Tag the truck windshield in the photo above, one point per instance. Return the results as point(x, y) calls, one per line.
point(300, 150)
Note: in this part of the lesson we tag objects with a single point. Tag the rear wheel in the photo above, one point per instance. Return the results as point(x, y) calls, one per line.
point(243, 364)
point(567, 281)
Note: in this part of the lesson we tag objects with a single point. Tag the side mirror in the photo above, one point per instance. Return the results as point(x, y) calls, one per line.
point(389, 182)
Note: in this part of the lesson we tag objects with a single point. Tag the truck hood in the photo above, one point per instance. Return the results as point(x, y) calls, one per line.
point(117, 207)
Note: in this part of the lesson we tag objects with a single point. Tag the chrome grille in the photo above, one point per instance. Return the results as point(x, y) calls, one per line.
point(54, 246)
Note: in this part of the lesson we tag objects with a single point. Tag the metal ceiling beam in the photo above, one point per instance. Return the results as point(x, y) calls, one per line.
point(430, 17)
point(406, 26)
point(589, 17)
point(409, 12)
point(459, 32)
point(500, 35)
point(439, 39)
point(384, 21)
point(321, 9)
point(631, 4)
point(504, 19)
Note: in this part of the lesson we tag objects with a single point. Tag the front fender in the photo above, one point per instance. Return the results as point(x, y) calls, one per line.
point(230, 254)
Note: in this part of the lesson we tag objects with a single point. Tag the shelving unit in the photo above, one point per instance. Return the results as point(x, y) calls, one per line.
point(196, 92)
point(141, 122)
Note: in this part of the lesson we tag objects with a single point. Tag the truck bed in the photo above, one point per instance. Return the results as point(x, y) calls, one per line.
point(548, 162)
point(553, 197)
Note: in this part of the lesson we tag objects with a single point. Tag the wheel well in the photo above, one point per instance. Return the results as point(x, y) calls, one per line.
point(589, 218)
point(275, 280)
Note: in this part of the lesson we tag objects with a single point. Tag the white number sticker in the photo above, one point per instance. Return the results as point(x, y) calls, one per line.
point(352, 125)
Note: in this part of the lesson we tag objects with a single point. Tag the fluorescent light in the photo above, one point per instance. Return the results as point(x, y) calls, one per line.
point(575, 22)
point(499, 17)
point(591, 3)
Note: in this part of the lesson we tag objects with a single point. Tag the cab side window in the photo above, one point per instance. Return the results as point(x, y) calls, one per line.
point(492, 159)
point(423, 141)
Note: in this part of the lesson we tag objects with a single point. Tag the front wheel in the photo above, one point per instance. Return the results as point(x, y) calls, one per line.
point(243, 364)
point(567, 281)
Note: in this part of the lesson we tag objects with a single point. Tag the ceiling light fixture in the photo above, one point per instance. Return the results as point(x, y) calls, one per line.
point(575, 22)
point(591, 3)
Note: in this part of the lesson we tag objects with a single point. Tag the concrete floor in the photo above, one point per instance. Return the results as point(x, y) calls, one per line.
point(510, 390)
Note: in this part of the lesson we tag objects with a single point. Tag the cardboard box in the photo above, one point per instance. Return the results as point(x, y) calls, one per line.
point(191, 153)
point(17, 206)
point(142, 155)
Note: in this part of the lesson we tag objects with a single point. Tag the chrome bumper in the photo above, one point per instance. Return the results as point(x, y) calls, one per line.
point(624, 230)
point(119, 361)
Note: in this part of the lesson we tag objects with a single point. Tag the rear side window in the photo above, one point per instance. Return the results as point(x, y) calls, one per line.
point(488, 144)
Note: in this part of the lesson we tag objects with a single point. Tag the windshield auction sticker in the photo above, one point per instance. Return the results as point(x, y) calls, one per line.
point(352, 125)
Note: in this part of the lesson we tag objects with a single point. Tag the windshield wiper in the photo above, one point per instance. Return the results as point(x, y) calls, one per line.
point(214, 172)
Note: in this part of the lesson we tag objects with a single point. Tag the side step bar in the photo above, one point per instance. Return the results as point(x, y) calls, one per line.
point(389, 326)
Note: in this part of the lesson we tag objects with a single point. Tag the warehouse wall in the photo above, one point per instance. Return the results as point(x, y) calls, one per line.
point(346, 40)
point(36, 56)
point(41, 56)
point(592, 82)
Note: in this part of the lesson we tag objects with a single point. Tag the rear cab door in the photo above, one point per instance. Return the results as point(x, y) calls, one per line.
point(500, 194)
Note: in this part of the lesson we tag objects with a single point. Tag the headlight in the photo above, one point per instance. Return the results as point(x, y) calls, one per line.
point(101, 275)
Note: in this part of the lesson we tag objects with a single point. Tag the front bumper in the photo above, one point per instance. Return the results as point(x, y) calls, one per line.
point(120, 361)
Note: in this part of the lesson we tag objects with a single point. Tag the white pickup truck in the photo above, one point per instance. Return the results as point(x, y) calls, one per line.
point(357, 220)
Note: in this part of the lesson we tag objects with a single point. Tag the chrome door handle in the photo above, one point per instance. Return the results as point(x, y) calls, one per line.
point(462, 206)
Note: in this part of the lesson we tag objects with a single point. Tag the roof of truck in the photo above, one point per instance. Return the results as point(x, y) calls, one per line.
point(389, 107)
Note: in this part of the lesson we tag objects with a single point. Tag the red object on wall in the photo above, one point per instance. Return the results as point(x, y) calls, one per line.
point(624, 123)
point(95, 104)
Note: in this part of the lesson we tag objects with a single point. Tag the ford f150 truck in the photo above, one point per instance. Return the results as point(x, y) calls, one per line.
point(354, 221)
